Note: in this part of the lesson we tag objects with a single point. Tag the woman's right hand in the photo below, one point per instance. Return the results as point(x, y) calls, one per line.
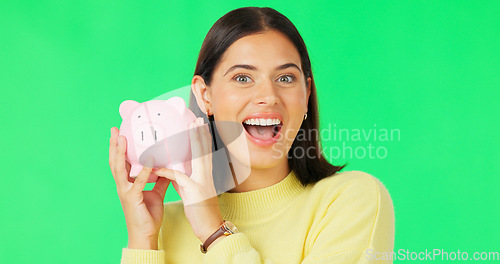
point(143, 209)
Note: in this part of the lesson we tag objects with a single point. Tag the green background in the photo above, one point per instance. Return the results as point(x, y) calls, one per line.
point(426, 68)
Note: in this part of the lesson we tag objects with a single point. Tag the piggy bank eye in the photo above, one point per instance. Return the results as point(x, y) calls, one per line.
point(138, 116)
point(158, 113)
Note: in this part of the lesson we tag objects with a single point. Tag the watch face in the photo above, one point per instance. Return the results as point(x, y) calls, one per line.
point(230, 227)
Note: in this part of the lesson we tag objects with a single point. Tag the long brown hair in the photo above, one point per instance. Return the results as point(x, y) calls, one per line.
point(245, 21)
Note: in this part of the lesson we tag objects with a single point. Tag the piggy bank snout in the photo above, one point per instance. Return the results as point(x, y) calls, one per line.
point(147, 135)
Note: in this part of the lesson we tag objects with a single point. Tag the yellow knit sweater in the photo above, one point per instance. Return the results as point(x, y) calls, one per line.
point(345, 218)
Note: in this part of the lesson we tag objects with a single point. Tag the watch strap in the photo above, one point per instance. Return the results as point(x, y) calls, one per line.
point(219, 232)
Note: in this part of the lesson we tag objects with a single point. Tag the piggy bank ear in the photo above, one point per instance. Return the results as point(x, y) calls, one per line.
point(127, 107)
point(178, 103)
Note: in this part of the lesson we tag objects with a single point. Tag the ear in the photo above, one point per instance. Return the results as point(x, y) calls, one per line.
point(127, 107)
point(202, 94)
point(177, 102)
point(308, 91)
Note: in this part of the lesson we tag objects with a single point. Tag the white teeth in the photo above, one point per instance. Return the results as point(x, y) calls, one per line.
point(262, 122)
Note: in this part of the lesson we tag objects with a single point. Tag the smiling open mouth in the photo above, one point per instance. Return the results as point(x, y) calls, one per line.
point(263, 129)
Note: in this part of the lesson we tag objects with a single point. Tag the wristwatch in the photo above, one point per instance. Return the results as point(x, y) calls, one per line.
point(226, 228)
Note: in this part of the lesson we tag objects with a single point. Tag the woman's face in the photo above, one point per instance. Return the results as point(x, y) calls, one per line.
point(259, 83)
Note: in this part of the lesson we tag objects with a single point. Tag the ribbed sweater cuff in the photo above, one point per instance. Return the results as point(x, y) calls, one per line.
point(229, 247)
point(132, 256)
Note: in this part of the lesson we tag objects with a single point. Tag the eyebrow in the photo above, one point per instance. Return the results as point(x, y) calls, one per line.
point(253, 68)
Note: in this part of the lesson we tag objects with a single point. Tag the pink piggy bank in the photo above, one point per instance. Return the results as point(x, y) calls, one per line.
point(160, 129)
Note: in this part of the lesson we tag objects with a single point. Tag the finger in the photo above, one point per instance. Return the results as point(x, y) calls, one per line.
point(197, 162)
point(180, 178)
point(190, 191)
point(178, 190)
point(127, 166)
point(142, 178)
point(120, 169)
point(205, 137)
point(196, 148)
point(206, 140)
point(205, 161)
point(161, 186)
point(194, 140)
point(112, 149)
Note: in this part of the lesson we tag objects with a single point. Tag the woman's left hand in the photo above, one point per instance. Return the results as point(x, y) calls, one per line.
point(198, 192)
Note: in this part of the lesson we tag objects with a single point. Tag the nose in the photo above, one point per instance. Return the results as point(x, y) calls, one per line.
point(147, 134)
point(266, 95)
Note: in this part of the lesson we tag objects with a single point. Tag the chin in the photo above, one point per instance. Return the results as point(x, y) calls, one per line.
point(265, 158)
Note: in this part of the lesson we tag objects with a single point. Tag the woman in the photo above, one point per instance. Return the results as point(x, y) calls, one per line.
point(254, 69)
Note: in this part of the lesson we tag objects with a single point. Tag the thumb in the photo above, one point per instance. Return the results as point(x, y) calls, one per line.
point(180, 178)
point(161, 186)
point(142, 178)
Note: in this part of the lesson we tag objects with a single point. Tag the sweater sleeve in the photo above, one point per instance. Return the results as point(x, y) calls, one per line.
point(357, 227)
point(140, 256)
point(234, 249)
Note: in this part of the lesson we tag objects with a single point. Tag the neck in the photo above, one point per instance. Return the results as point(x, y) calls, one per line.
point(260, 178)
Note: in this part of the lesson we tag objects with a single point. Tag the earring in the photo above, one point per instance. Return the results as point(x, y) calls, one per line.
point(210, 117)
point(305, 116)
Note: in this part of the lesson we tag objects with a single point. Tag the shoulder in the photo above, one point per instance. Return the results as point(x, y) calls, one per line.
point(350, 181)
point(356, 205)
point(352, 187)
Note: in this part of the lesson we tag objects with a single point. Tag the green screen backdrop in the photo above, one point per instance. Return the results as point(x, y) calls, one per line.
point(421, 75)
